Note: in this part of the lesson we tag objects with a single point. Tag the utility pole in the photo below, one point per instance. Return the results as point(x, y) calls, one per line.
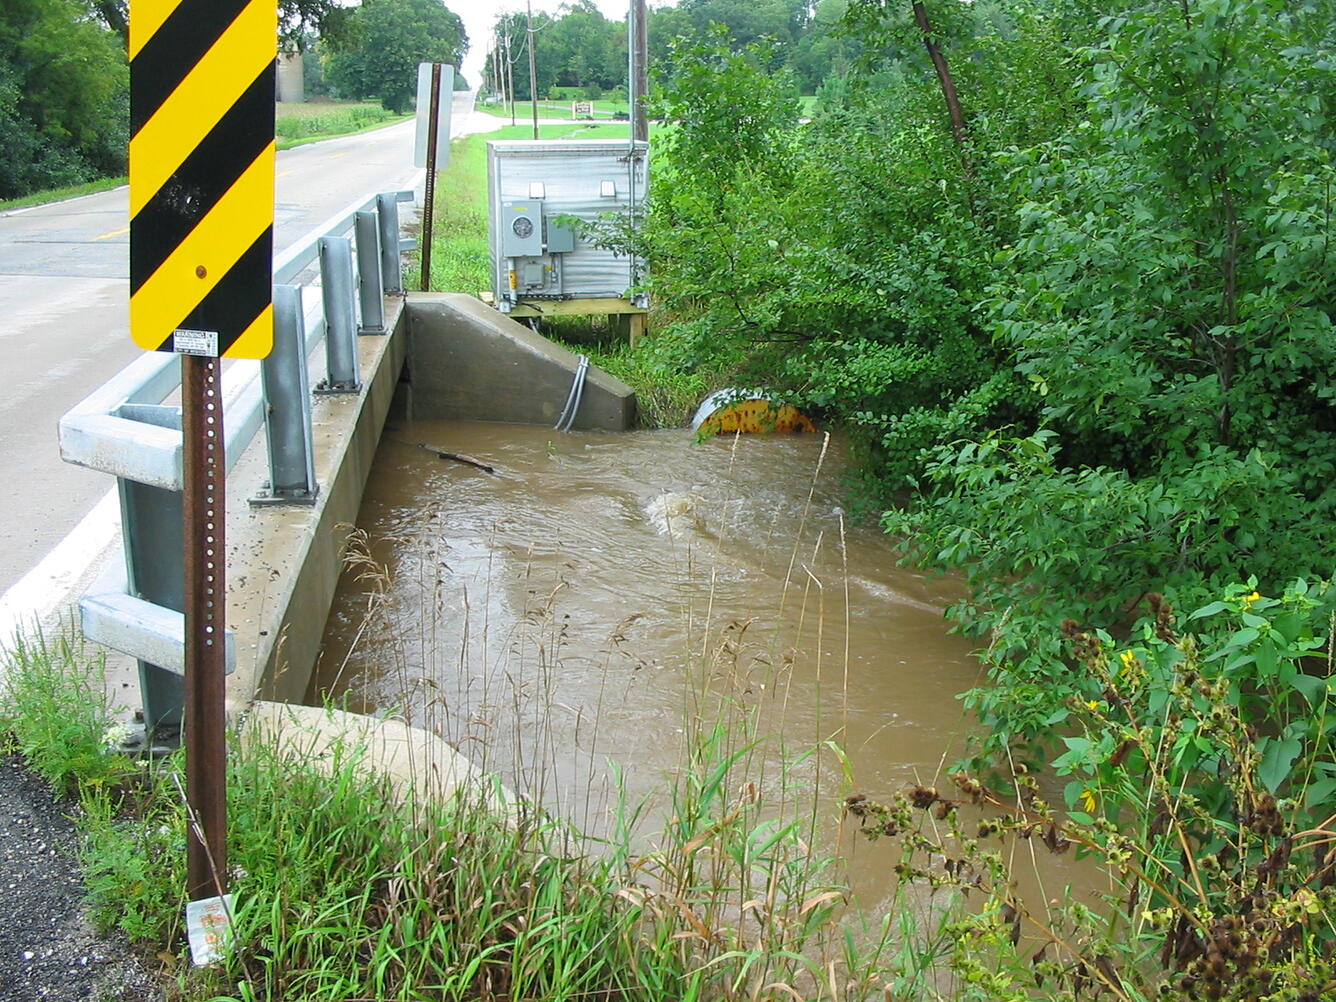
point(495, 52)
point(510, 76)
point(639, 46)
point(533, 73)
point(499, 67)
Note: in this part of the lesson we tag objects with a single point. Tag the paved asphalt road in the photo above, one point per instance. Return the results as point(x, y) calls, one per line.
point(64, 323)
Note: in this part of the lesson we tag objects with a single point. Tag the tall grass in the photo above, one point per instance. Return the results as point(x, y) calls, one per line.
point(54, 708)
point(343, 891)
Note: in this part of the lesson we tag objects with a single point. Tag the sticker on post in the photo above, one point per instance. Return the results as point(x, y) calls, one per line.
point(209, 929)
point(188, 342)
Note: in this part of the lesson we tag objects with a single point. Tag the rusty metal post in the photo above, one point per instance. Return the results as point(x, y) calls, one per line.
point(429, 192)
point(205, 587)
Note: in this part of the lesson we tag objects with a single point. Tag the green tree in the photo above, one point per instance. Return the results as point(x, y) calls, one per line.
point(584, 48)
point(64, 110)
point(300, 21)
point(821, 52)
point(386, 41)
point(1165, 298)
point(749, 21)
point(1203, 206)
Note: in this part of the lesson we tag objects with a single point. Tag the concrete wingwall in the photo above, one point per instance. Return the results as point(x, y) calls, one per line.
point(469, 362)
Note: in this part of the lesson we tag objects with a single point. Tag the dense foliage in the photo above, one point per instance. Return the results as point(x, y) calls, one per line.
point(64, 96)
point(578, 49)
point(1201, 776)
point(1084, 339)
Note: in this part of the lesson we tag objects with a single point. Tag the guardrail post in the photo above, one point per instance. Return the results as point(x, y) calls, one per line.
point(391, 268)
point(152, 529)
point(336, 288)
point(287, 406)
point(371, 289)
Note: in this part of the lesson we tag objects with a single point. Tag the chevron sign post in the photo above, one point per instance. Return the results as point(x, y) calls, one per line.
point(202, 76)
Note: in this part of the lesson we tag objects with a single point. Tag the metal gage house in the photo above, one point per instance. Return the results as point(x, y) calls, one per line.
point(544, 263)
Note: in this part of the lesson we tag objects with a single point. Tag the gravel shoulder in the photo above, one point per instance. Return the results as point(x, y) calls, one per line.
point(48, 949)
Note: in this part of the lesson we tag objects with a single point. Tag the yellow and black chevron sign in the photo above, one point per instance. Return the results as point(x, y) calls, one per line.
point(202, 78)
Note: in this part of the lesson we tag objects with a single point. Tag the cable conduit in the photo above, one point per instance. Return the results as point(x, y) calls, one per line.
point(572, 407)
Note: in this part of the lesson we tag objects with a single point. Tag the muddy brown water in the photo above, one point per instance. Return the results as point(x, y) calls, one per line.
point(586, 602)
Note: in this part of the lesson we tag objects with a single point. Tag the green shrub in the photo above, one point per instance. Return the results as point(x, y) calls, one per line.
point(1202, 774)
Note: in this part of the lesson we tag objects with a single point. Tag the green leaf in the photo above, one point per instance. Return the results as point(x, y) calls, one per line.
point(1320, 792)
point(1312, 688)
point(1289, 625)
point(1277, 759)
point(1267, 659)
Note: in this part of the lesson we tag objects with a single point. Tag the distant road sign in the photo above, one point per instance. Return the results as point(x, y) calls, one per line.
point(447, 93)
point(202, 77)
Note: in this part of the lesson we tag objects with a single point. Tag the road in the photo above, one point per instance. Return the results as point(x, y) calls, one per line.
point(64, 331)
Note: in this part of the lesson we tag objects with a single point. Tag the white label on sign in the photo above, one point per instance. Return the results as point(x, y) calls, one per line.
point(209, 929)
point(186, 342)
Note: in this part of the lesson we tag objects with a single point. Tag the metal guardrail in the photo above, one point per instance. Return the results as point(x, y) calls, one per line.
point(128, 428)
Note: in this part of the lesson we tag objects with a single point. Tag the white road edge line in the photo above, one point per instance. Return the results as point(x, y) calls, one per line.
point(63, 201)
point(36, 596)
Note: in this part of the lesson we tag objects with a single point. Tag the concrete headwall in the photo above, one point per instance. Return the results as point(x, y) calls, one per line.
point(469, 362)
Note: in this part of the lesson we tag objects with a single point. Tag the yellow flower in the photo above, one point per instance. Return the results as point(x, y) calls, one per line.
point(1248, 600)
point(1129, 660)
point(1088, 801)
point(1092, 705)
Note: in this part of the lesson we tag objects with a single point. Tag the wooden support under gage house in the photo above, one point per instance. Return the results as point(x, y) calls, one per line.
point(623, 315)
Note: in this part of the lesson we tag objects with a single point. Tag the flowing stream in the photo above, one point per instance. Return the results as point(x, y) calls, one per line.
point(586, 602)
